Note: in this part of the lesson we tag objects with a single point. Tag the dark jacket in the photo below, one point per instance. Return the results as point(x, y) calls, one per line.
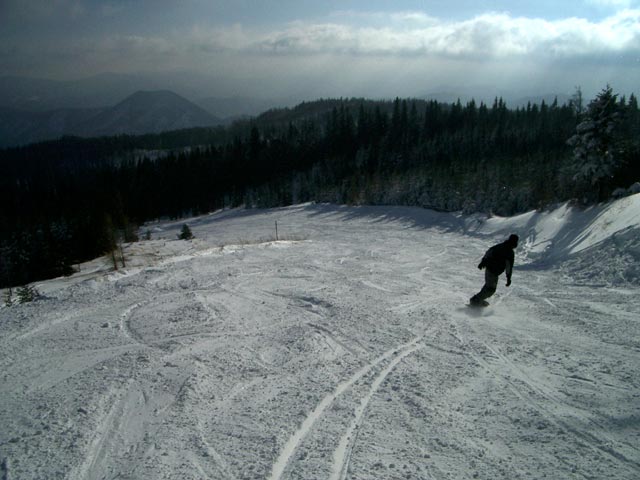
point(499, 258)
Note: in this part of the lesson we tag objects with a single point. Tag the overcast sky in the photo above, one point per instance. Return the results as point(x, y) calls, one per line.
point(332, 48)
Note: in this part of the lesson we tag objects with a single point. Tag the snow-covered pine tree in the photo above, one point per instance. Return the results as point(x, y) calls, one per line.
point(594, 145)
point(27, 294)
point(185, 233)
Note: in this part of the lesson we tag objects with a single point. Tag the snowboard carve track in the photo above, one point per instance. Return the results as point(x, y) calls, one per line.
point(589, 439)
point(125, 322)
point(104, 433)
point(325, 331)
point(288, 450)
point(342, 454)
point(215, 455)
point(79, 364)
point(129, 405)
point(47, 325)
point(126, 327)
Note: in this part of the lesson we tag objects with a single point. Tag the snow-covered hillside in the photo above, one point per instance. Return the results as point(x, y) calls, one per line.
point(342, 350)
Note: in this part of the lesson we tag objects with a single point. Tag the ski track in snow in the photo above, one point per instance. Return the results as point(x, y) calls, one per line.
point(125, 324)
point(527, 389)
point(396, 354)
point(105, 433)
point(348, 354)
point(343, 451)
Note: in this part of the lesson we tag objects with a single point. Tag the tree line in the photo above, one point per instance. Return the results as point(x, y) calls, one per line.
point(67, 201)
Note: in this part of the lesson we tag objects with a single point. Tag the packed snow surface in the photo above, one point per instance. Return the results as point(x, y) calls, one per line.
point(343, 349)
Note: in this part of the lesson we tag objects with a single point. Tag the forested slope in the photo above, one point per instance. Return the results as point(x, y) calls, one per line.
point(74, 199)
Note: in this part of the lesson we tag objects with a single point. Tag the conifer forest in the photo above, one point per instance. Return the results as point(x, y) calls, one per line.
point(66, 201)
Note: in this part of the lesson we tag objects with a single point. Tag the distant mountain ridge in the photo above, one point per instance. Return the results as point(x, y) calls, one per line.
point(98, 91)
point(140, 113)
point(24, 118)
point(148, 112)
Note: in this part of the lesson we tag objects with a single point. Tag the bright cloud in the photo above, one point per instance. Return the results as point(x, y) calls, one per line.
point(350, 52)
point(493, 35)
point(487, 36)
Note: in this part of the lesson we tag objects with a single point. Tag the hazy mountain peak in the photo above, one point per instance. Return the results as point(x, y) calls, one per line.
point(149, 111)
point(145, 111)
point(154, 95)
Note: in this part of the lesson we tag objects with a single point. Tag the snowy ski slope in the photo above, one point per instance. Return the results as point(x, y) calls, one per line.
point(342, 350)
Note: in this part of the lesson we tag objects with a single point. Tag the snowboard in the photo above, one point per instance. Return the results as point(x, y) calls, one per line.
point(482, 304)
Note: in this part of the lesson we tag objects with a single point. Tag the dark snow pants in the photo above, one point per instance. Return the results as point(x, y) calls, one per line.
point(490, 285)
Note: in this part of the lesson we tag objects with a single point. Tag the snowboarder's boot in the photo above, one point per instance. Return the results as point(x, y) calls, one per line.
point(476, 302)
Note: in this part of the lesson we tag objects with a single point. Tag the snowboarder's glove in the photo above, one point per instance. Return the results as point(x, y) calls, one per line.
point(481, 265)
point(508, 282)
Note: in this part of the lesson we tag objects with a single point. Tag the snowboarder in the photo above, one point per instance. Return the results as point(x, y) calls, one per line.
point(496, 260)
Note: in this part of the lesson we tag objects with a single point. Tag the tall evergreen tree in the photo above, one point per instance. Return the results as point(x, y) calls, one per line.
point(594, 146)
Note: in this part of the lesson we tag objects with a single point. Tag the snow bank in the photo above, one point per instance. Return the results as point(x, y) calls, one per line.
point(598, 244)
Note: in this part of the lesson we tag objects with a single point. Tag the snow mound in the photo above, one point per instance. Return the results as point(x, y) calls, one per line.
point(614, 261)
point(597, 244)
